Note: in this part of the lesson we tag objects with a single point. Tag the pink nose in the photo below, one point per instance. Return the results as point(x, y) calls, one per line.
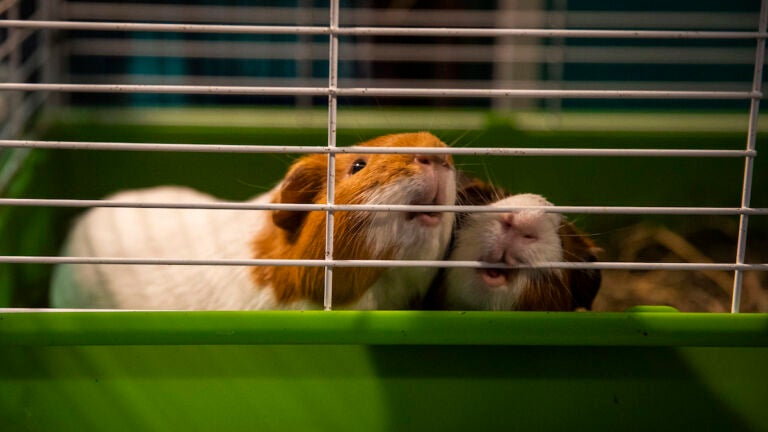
point(519, 231)
point(436, 174)
point(521, 226)
point(431, 160)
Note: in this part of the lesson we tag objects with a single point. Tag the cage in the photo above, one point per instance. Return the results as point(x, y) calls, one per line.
point(643, 126)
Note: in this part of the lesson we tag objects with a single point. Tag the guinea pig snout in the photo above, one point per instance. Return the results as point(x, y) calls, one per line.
point(432, 160)
point(437, 174)
point(435, 185)
point(519, 232)
point(523, 225)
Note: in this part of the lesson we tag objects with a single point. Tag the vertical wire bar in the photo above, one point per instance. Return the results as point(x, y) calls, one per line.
point(333, 77)
point(304, 54)
point(504, 51)
point(49, 72)
point(20, 110)
point(63, 74)
point(754, 110)
point(556, 66)
point(14, 63)
point(6, 110)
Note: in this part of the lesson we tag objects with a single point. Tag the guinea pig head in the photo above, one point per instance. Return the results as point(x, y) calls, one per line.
point(521, 237)
point(361, 178)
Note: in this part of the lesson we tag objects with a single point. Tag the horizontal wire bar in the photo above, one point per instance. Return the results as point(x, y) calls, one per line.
point(548, 94)
point(175, 28)
point(379, 31)
point(181, 89)
point(224, 205)
point(449, 83)
point(548, 33)
point(465, 151)
point(379, 263)
point(382, 92)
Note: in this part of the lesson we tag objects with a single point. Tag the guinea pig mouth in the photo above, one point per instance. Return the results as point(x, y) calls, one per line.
point(426, 219)
point(494, 277)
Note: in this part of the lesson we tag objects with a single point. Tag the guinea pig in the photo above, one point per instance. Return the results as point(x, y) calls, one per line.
point(421, 179)
point(524, 237)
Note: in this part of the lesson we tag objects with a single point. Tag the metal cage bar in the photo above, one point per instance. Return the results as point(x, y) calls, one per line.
point(754, 111)
point(604, 265)
point(225, 205)
point(333, 80)
point(382, 92)
point(476, 151)
point(21, 29)
point(378, 31)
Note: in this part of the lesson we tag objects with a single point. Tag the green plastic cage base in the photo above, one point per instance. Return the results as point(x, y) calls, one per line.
point(645, 369)
point(382, 371)
point(644, 327)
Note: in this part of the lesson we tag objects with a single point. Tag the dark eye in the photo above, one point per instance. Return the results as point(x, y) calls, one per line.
point(357, 166)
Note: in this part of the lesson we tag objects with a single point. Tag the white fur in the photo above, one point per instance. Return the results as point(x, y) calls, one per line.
point(482, 239)
point(396, 286)
point(162, 233)
point(218, 234)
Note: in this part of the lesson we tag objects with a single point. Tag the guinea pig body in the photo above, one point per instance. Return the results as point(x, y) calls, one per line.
point(280, 234)
point(524, 237)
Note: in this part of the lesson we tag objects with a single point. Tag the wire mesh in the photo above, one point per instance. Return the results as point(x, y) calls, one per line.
point(21, 29)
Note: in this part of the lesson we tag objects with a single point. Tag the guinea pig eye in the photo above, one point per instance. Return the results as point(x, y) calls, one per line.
point(357, 166)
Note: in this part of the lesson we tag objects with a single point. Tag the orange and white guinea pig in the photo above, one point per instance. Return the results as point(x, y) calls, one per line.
point(518, 237)
point(281, 234)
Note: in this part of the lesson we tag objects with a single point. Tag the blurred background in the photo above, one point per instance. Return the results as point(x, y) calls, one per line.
point(210, 59)
point(391, 61)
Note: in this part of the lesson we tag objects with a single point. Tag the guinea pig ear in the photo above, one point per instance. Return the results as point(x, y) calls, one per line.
point(302, 185)
point(584, 283)
point(473, 191)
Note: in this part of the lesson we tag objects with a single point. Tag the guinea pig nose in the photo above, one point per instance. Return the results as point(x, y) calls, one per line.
point(519, 225)
point(423, 159)
point(430, 159)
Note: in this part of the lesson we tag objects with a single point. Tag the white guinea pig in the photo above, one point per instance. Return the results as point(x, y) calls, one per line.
point(518, 237)
point(280, 234)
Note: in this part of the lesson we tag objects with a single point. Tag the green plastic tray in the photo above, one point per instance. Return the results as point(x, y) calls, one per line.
point(383, 371)
point(648, 369)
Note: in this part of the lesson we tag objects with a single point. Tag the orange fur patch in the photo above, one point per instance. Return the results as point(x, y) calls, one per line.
point(301, 235)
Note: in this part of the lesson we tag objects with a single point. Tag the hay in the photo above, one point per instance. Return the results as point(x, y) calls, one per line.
point(688, 291)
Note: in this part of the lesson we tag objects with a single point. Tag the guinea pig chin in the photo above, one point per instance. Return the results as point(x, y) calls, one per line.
point(436, 187)
point(425, 219)
point(486, 239)
point(493, 278)
point(414, 235)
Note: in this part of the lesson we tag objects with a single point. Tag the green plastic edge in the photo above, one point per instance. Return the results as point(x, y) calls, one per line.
point(384, 328)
